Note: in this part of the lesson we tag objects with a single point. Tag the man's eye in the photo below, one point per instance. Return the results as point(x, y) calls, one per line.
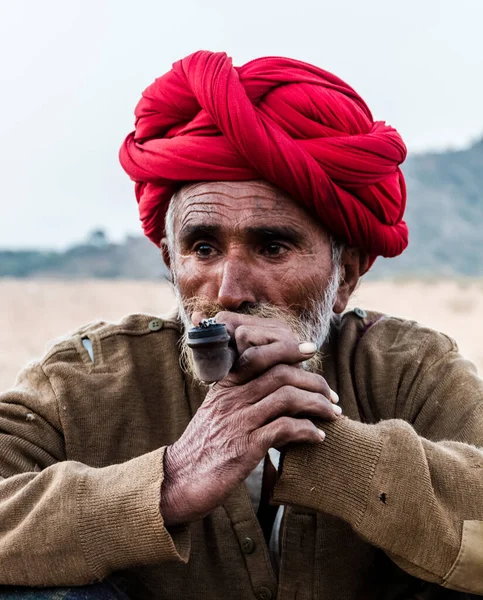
point(274, 249)
point(203, 250)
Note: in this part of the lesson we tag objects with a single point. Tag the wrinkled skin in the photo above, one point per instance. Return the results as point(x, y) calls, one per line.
point(237, 244)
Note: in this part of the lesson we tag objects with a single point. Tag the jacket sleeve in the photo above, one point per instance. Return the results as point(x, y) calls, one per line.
point(410, 485)
point(63, 522)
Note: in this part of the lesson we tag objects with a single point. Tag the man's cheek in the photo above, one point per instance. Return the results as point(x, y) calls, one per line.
point(299, 289)
point(195, 280)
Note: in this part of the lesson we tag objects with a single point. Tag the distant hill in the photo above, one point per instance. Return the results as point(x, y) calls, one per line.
point(444, 214)
point(97, 257)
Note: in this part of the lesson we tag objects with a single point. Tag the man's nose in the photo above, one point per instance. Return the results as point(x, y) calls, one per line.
point(236, 286)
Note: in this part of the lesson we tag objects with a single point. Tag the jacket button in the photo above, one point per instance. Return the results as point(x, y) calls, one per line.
point(263, 593)
point(360, 313)
point(155, 325)
point(248, 545)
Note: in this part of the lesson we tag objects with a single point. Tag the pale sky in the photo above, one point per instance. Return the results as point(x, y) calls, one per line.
point(73, 70)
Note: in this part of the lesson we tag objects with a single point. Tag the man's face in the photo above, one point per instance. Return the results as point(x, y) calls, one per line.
point(240, 244)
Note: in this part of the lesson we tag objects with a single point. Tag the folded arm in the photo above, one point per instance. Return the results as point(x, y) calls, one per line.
point(412, 487)
point(63, 522)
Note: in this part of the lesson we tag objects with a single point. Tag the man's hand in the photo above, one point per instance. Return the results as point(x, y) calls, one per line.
point(262, 403)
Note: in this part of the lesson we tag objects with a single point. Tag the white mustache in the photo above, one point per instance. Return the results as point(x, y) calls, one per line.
point(308, 324)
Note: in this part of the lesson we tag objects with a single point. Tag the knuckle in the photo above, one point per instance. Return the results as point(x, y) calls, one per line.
point(242, 334)
point(248, 355)
point(289, 346)
point(288, 393)
point(243, 361)
point(281, 373)
point(286, 425)
point(253, 354)
point(259, 439)
point(280, 401)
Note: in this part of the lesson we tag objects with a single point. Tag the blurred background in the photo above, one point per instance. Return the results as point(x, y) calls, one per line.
point(71, 249)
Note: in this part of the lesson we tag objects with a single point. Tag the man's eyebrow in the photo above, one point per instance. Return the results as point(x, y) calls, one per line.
point(283, 232)
point(189, 232)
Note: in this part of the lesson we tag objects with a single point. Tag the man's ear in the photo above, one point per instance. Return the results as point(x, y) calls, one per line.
point(165, 253)
point(354, 263)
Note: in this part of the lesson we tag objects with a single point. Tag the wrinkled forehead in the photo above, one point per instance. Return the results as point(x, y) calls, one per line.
point(233, 203)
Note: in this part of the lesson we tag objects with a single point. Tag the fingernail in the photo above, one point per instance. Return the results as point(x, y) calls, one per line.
point(322, 434)
point(334, 397)
point(307, 348)
point(337, 410)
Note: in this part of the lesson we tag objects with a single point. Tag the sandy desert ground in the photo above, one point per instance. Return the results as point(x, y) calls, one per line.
point(33, 312)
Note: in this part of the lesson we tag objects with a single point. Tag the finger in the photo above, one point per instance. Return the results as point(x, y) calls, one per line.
point(275, 378)
point(286, 430)
point(234, 320)
point(246, 336)
point(259, 359)
point(256, 331)
point(291, 401)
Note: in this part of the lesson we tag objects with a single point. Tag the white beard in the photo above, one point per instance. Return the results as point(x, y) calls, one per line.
point(310, 325)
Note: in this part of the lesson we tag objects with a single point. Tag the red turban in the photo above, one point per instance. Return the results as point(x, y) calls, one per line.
point(278, 119)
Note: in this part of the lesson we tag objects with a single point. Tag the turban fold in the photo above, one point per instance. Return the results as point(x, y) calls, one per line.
point(282, 120)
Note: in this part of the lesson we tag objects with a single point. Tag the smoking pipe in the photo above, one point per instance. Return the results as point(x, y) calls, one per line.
point(213, 358)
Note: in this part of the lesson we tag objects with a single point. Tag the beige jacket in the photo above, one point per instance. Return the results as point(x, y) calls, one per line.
point(389, 506)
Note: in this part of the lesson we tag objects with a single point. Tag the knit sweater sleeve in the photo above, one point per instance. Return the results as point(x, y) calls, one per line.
point(411, 485)
point(63, 522)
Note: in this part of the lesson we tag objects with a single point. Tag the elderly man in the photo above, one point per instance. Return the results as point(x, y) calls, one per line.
point(270, 190)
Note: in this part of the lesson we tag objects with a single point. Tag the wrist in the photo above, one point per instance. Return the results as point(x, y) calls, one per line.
point(172, 497)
